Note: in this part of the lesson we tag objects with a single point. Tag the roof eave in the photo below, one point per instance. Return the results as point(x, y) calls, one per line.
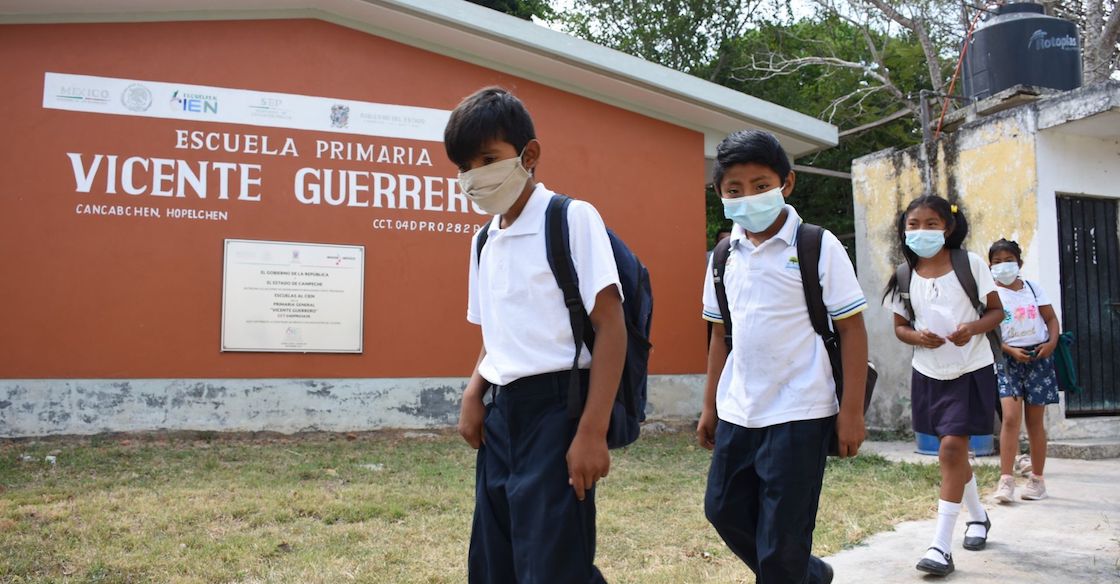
point(494, 40)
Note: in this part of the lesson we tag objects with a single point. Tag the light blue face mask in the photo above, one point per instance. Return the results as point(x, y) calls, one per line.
point(1005, 273)
point(755, 212)
point(925, 242)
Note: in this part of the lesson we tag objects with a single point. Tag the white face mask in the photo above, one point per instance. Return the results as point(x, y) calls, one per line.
point(1005, 273)
point(495, 187)
point(756, 212)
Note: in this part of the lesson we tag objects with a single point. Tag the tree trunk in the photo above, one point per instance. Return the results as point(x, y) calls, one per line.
point(1096, 63)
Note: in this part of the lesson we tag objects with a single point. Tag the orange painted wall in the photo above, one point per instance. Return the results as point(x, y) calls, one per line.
point(121, 297)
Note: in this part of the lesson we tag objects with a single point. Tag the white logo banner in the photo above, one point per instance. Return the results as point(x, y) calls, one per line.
point(201, 103)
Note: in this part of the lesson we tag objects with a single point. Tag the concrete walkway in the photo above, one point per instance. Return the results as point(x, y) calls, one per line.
point(1071, 537)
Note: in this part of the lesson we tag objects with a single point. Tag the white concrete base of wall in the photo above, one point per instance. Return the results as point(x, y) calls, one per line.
point(1059, 427)
point(44, 407)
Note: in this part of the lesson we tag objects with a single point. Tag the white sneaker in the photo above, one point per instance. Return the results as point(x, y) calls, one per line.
point(1005, 492)
point(1035, 489)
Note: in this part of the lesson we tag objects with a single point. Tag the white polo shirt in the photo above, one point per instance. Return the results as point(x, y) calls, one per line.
point(778, 370)
point(514, 296)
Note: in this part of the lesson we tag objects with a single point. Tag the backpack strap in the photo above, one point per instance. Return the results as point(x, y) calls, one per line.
point(963, 269)
point(483, 235)
point(962, 266)
point(809, 240)
point(720, 255)
point(559, 254)
point(903, 275)
point(1033, 292)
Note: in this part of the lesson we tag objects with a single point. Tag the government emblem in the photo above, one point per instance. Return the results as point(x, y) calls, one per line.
point(340, 116)
point(136, 97)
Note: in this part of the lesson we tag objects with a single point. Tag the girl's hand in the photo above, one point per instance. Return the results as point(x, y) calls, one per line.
point(963, 334)
point(1020, 355)
point(1046, 349)
point(928, 340)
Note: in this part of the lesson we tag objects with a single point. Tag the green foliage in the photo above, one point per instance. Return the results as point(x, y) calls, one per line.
point(686, 35)
point(730, 42)
point(524, 9)
point(814, 90)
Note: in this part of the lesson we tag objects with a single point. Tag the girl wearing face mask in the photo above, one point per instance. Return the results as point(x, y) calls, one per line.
point(1027, 380)
point(953, 383)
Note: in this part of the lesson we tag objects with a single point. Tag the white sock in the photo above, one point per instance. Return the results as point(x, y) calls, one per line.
point(947, 513)
point(976, 510)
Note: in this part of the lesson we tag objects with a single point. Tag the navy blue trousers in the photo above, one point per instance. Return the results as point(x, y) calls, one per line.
point(762, 496)
point(529, 528)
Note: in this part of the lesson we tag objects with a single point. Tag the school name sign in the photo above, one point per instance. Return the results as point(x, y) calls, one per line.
point(212, 166)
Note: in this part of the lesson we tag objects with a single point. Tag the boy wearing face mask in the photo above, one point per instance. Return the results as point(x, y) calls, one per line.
point(534, 518)
point(770, 404)
point(1027, 379)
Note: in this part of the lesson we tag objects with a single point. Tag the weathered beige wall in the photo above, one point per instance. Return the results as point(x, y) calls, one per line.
point(989, 168)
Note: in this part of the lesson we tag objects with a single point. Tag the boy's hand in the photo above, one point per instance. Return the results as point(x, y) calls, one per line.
point(963, 334)
point(928, 340)
point(1020, 355)
point(472, 415)
point(588, 461)
point(1046, 349)
point(706, 429)
point(850, 433)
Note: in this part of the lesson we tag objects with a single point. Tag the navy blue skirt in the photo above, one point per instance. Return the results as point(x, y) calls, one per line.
point(965, 406)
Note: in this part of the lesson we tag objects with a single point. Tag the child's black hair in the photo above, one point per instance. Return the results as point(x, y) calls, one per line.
point(491, 113)
point(956, 229)
point(1010, 247)
point(747, 146)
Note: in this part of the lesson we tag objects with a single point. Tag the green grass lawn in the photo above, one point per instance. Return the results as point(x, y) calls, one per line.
point(380, 508)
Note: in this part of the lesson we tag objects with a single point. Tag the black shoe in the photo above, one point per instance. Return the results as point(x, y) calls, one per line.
point(977, 543)
point(937, 568)
point(826, 572)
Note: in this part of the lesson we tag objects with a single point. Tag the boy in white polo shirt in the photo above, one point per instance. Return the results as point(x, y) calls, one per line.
point(534, 519)
point(770, 405)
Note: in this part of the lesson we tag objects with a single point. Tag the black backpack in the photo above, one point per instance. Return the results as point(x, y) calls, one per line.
point(963, 269)
point(809, 240)
point(629, 409)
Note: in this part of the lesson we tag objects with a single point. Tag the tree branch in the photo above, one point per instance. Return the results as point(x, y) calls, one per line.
point(902, 113)
point(919, 31)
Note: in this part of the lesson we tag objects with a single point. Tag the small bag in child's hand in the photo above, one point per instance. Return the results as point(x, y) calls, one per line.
point(1064, 364)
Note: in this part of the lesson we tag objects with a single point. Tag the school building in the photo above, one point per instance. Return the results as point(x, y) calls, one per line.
point(1036, 166)
point(237, 215)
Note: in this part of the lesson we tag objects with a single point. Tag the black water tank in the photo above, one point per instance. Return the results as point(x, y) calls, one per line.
point(1020, 44)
